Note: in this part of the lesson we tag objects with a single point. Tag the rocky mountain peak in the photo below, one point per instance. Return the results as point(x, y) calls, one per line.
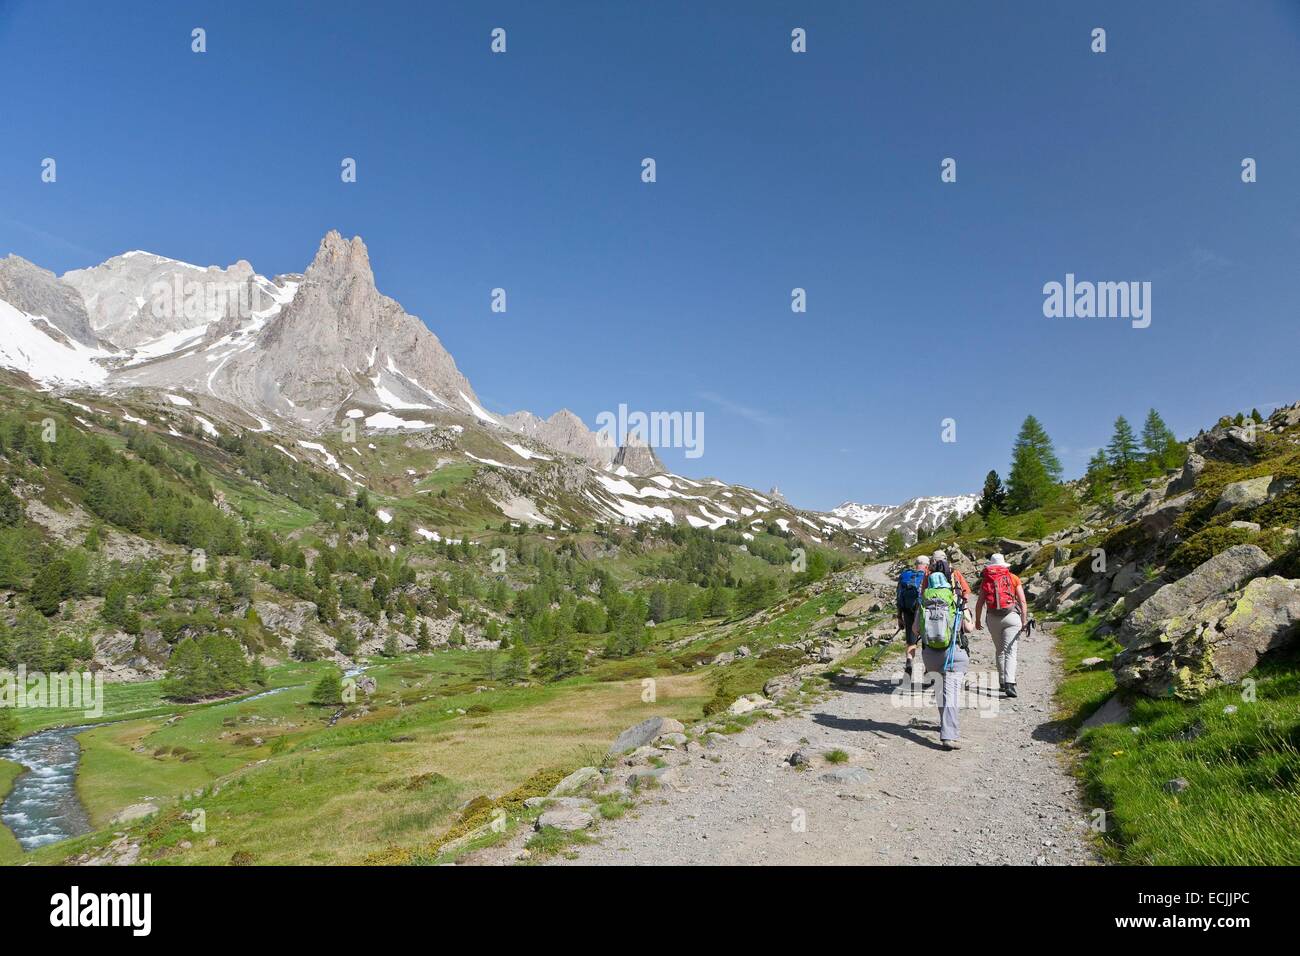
point(638, 457)
point(39, 292)
point(340, 260)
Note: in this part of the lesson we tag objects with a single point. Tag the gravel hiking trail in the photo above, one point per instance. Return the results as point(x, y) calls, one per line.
point(1005, 798)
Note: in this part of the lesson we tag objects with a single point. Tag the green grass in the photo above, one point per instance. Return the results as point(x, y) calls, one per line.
point(1243, 804)
point(837, 756)
point(10, 851)
point(1083, 690)
point(549, 841)
point(372, 784)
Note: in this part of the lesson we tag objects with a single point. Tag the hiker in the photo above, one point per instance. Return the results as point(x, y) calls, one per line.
point(938, 629)
point(907, 598)
point(939, 562)
point(1003, 597)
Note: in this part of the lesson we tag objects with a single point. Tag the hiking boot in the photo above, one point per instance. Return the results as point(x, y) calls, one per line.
point(950, 745)
point(1010, 690)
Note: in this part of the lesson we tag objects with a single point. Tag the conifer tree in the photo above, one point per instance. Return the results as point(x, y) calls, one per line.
point(1122, 452)
point(1160, 444)
point(1035, 468)
point(328, 691)
point(1097, 479)
point(993, 496)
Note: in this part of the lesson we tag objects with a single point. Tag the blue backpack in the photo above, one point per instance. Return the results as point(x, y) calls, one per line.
point(910, 584)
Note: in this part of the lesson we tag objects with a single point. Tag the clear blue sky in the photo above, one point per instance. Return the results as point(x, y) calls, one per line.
point(775, 170)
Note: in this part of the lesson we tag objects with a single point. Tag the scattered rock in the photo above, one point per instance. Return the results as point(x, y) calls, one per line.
point(862, 604)
point(645, 732)
point(135, 811)
point(1177, 785)
point(568, 819)
point(750, 702)
point(582, 780)
point(654, 776)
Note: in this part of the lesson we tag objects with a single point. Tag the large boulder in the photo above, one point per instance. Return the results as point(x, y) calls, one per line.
point(1232, 443)
point(643, 733)
point(1264, 618)
point(1175, 642)
point(1160, 516)
point(859, 605)
point(582, 780)
point(565, 818)
point(1071, 593)
point(1186, 480)
point(1248, 494)
point(1224, 572)
point(1126, 579)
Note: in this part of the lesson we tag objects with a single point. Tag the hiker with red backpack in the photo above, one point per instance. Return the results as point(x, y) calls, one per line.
point(907, 599)
point(938, 629)
point(1003, 597)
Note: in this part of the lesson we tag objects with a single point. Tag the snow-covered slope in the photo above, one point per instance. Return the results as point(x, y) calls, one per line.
point(33, 345)
point(908, 518)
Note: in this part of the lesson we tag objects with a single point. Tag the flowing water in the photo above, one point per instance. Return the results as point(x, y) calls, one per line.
point(43, 806)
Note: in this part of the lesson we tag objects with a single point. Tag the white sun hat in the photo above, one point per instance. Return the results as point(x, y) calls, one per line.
point(998, 561)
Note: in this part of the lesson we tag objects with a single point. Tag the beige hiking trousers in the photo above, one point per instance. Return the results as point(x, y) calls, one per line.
point(1005, 626)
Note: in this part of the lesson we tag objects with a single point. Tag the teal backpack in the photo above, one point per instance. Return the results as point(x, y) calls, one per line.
point(938, 612)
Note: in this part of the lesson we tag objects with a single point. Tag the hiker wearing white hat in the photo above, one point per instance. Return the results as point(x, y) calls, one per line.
point(1003, 597)
point(907, 599)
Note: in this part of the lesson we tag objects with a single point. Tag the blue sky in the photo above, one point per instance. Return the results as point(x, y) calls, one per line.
point(775, 171)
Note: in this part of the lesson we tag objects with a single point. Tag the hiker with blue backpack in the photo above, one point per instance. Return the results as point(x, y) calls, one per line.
point(908, 601)
point(940, 629)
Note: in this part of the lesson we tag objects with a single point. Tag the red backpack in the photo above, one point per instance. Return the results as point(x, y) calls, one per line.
point(997, 588)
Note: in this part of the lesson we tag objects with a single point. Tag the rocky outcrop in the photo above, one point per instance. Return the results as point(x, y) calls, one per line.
point(1249, 493)
point(638, 458)
point(1190, 635)
point(38, 291)
point(1263, 618)
point(565, 432)
point(1222, 573)
point(138, 296)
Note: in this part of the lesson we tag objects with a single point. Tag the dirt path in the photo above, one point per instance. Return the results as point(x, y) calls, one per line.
point(1005, 797)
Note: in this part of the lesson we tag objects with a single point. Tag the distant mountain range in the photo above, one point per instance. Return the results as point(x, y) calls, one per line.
point(314, 353)
point(907, 518)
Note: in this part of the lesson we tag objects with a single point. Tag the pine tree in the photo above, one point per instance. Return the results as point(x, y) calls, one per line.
point(1161, 445)
point(422, 641)
point(51, 586)
point(1122, 452)
point(329, 689)
point(894, 542)
point(517, 664)
point(995, 523)
point(391, 647)
point(1035, 469)
point(993, 496)
point(1097, 479)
